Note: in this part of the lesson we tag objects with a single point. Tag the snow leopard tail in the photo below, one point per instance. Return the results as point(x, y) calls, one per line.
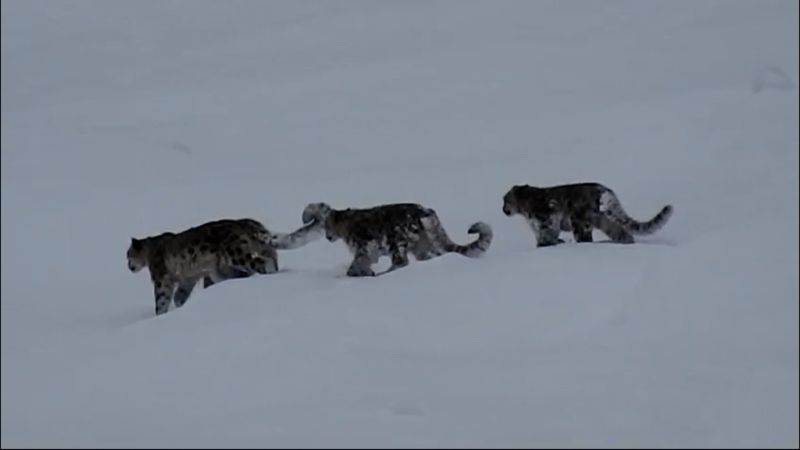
point(309, 232)
point(610, 204)
point(442, 241)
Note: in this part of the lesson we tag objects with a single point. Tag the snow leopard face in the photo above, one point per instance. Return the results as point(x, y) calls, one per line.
point(542, 212)
point(137, 256)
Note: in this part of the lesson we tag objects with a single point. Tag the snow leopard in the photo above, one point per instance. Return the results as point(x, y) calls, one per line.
point(578, 208)
point(214, 251)
point(393, 230)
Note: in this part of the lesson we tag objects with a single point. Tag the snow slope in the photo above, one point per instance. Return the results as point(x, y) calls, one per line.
point(125, 119)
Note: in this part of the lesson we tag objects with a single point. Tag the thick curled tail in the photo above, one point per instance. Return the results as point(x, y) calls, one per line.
point(654, 224)
point(610, 205)
point(311, 231)
point(479, 246)
point(649, 227)
point(316, 211)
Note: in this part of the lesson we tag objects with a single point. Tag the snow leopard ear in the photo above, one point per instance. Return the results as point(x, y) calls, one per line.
point(136, 244)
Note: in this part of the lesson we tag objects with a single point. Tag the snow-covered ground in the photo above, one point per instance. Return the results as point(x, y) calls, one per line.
point(132, 118)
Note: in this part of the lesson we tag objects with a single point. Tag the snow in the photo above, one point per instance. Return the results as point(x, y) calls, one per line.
point(124, 119)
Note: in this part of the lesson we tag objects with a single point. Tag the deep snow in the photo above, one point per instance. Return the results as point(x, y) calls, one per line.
point(125, 119)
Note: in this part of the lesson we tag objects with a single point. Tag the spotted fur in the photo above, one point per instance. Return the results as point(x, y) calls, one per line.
point(214, 251)
point(393, 230)
point(578, 208)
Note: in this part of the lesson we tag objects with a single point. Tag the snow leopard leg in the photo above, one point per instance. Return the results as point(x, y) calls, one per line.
point(581, 228)
point(362, 262)
point(266, 258)
point(163, 288)
point(423, 249)
point(263, 265)
point(225, 273)
point(399, 253)
point(183, 292)
point(546, 232)
point(613, 230)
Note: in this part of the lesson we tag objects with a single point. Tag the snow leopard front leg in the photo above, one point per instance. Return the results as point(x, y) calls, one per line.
point(362, 262)
point(163, 287)
point(582, 227)
point(546, 233)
